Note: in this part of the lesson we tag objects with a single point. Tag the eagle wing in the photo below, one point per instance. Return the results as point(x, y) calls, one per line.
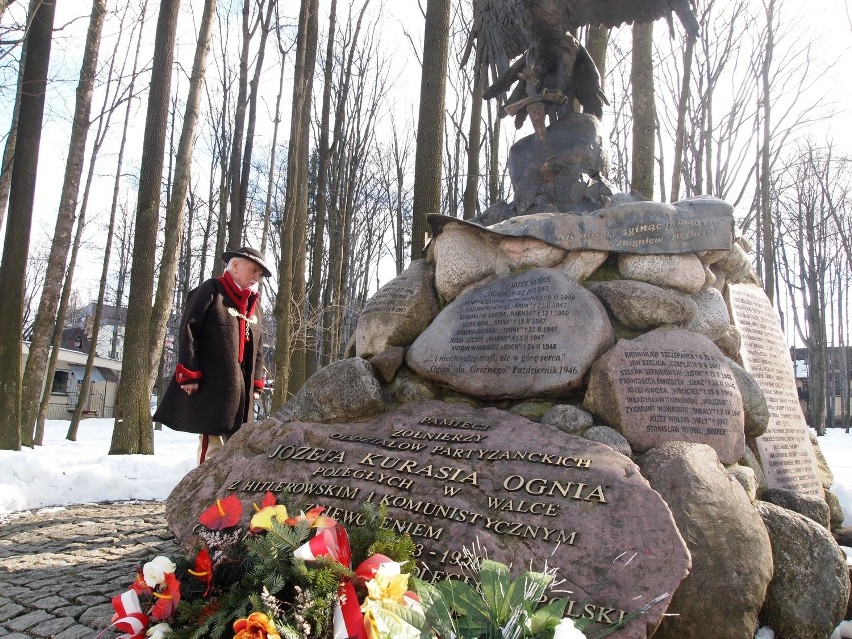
point(504, 29)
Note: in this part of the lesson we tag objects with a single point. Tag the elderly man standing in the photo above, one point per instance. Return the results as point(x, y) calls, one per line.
point(220, 354)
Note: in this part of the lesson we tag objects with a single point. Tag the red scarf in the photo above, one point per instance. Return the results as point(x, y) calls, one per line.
point(246, 302)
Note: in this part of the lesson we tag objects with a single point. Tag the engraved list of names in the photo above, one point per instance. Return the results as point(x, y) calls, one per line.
point(785, 449)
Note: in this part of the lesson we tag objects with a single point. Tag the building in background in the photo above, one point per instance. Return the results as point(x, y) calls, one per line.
point(65, 388)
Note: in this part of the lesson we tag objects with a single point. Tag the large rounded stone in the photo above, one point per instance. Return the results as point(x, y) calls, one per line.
point(731, 553)
point(814, 508)
point(669, 384)
point(736, 266)
point(825, 474)
point(579, 265)
point(682, 272)
point(346, 389)
point(711, 318)
point(455, 477)
point(567, 418)
point(754, 401)
point(398, 312)
point(522, 253)
point(464, 255)
point(642, 306)
point(807, 596)
point(532, 334)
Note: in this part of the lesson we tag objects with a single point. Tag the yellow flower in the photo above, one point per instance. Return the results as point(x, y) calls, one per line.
point(256, 626)
point(262, 520)
point(388, 583)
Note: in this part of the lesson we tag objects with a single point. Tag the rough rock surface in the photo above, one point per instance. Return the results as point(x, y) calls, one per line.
point(754, 401)
point(463, 256)
point(345, 389)
point(609, 437)
point(579, 265)
point(731, 553)
point(387, 363)
point(669, 384)
point(681, 272)
point(398, 312)
point(494, 341)
point(567, 418)
point(811, 507)
point(453, 476)
point(642, 306)
point(711, 318)
point(807, 596)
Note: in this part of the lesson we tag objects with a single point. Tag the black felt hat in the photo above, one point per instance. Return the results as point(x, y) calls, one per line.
point(248, 253)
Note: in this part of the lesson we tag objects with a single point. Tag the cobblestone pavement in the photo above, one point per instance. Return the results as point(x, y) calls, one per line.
point(60, 568)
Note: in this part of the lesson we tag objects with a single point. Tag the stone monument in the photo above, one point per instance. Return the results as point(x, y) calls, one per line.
point(552, 391)
point(577, 379)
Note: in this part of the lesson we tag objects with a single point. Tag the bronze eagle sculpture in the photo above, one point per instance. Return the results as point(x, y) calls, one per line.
point(553, 68)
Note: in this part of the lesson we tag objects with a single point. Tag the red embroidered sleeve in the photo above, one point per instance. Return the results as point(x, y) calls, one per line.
point(185, 376)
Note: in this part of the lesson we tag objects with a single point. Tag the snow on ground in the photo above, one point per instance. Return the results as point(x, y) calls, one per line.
point(62, 472)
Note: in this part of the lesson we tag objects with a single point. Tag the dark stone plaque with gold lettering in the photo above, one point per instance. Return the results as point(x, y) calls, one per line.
point(452, 476)
point(530, 334)
point(785, 449)
point(695, 224)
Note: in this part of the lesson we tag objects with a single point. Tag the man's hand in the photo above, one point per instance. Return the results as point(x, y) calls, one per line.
point(190, 389)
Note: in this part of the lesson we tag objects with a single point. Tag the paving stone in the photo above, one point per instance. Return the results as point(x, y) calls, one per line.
point(53, 627)
point(27, 621)
point(69, 611)
point(10, 610)
point(98, 616)
point(77, 632)
point(71, 564)
point(50, 603)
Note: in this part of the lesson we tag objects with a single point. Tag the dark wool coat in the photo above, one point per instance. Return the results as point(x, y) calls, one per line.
point(211, 337)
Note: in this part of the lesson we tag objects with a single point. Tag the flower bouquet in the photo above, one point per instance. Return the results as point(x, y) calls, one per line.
point(303, 577)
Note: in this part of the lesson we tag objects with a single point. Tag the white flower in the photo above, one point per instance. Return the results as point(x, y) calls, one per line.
point(159, 631)
point(567, 630)
point(155, 570)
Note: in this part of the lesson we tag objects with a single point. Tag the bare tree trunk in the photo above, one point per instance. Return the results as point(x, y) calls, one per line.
point(494, 160)
point(765, 152)
point(99, 306)
point(9, 150)
point(430, 122)
point(285, 305)
point(642, 81)
point(471, 188)
point(297, 374)
point(682, 107)
point(132, 432)
point(19, 221)
point(61, 312)
point(314, 321)
point(237, 208)
point(46, 317)
point(175, 209)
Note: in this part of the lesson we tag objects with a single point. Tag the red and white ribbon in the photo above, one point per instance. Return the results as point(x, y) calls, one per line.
point(334, 543)
point(129, 616)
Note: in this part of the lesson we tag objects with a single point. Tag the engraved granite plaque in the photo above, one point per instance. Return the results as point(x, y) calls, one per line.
point(669, 384)
point(452, 476)
point(530, 334)
point(786, 453)
point(695, 224)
